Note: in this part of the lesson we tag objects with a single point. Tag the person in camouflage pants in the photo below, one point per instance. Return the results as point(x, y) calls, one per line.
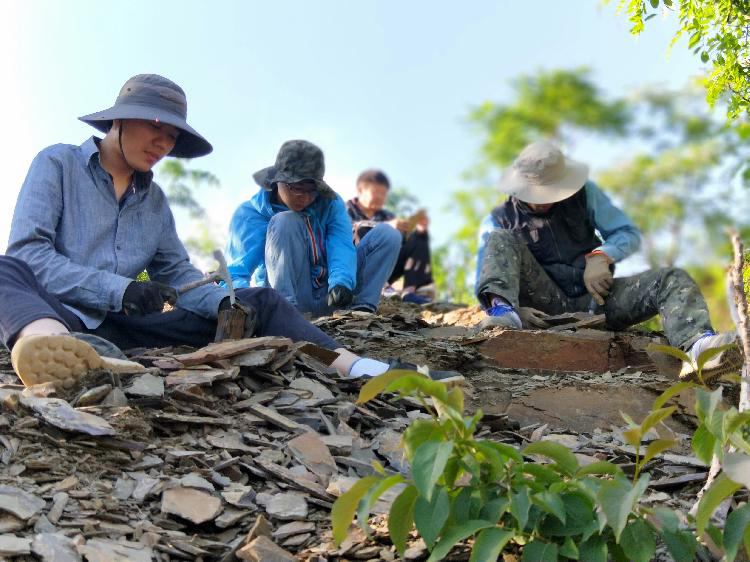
point(540, 253)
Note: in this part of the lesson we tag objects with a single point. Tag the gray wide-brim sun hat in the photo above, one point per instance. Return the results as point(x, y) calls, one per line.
point(154, 98)
point(542, 174)
point(297, 160)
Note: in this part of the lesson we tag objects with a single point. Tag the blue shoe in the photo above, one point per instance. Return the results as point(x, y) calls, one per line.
point(415, 298)
point(502, 315)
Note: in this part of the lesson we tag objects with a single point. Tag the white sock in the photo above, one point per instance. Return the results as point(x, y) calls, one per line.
point(43, 327)
point(367, 366)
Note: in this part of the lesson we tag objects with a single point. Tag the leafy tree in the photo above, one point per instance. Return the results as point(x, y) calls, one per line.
point(180, 185)
point(717, 29)
point(686, 179)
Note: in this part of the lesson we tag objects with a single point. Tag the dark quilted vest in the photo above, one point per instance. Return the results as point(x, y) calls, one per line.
point(559, 239)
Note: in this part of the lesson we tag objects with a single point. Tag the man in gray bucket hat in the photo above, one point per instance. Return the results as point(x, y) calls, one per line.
point(88, 220)
point(540, 253)
point(295, 235)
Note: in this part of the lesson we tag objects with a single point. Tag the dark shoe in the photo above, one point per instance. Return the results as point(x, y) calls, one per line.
point(415, 298)
point(362, 308)
point(448, 377)
point(104, 348)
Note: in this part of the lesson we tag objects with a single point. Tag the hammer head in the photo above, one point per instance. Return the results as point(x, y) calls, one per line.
point(223, 274)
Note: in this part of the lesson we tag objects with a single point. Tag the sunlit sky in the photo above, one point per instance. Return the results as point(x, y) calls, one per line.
point(372, 82)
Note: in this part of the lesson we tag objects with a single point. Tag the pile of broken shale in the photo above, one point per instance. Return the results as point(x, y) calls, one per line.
point(238, 450)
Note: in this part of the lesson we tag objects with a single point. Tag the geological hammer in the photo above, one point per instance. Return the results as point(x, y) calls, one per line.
point(221, 274)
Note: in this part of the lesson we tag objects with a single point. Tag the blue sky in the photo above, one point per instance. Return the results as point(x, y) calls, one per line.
point(373, 83)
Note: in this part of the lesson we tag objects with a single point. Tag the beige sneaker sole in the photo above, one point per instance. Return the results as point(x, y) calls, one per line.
point(61, 359)
point(727, 362)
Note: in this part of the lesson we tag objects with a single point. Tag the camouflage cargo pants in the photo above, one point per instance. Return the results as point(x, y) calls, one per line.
point(510, 270)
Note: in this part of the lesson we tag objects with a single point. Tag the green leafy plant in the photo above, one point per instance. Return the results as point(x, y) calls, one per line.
point(494, 495)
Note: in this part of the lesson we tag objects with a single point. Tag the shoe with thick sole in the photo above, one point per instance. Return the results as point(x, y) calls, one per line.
point(728, 361)
point(61, 359)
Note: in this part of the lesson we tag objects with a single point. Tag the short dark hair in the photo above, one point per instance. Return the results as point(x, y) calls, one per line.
point(374, 175)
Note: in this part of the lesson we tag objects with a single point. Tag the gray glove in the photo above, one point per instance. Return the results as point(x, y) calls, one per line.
point(532, 318)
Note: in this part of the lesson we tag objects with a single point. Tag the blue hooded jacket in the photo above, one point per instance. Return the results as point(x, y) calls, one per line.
point(330, 233)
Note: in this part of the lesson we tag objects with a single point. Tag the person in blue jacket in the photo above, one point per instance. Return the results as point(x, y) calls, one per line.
point(551, 247)
point(295, 235)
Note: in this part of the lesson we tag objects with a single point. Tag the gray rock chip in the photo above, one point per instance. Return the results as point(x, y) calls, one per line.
point(54, 547)
point(146, 386)
point(287, 506)
point(19, 503)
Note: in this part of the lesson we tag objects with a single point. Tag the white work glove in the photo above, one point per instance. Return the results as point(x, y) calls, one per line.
point(597, 276)
point(532, 318)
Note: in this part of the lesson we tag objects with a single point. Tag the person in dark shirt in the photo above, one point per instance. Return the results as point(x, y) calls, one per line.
point(413, 264)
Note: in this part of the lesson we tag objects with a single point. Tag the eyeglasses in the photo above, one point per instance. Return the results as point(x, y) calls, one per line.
point(302, 189)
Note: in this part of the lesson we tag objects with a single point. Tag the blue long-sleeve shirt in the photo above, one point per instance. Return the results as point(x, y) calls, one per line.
point(85, 247)
point(330, 234)
point(621, 237)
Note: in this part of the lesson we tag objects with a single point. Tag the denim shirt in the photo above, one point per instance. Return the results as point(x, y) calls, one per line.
point(620, 235)
point(85, 248)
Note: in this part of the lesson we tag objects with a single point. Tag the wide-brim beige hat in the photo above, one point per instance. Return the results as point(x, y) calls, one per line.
point(542, 174)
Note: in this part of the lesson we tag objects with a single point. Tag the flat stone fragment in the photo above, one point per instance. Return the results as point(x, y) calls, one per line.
point(319, 392)
point(339, 444)
point(11, 545)
point(19, 503)
point(203, 377)
point(55, 547)
point(257, 358)
point(230, 517)
point(287, 505)
point(297, 540)
point(309, 449)
point(59, 501)
point(230, 440)
point(223, 350)
point(143, 487)
point(389, 445)
point(123, 489)
point(194, 480)
point(94, 395)
point(191, 504)
point(102, 550)
point(293, 528)
point(146, 386)
point(10, 523)
point(240, 497)
point(263, 549)
point(148, 461)
point(115, 398)
point(59, 413)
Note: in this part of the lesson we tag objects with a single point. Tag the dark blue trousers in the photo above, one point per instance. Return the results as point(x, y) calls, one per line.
point(23, 300)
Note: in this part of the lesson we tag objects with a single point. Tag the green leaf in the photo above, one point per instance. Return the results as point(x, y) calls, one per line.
point(504, 450)
point(681, 544)
point(456, 399)
point(638, 541)
point(617, 498)
point(654, 4)
point(670, 392)
point(401, 518)
point(703, 444)
point(706, 405)
point(669, 350)
point(656, 447)
point(421, 383)
point(543, 475)
point(562, 456)
point(454, 535)
point(704, 56)
point(633, 435)
point(737, 468)
point(737, 421)
point(430, 516)
point(711, 352)
point(579, 514)
point(417, 433)
point(493, 510)
point(593, 549)
point(375, 386)
point(345, 505)
point(365, 506)
point(737, 525)
point(656, 416)
point(569, 549)
point(721, 488)
point(489, 544)
point(599, 467)
point(538, 551)
point(520, 502)
point(551, 503)
point(428, 464)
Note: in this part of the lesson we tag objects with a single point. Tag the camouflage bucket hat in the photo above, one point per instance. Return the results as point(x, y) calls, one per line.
point(154, 98)
point(296, 161)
